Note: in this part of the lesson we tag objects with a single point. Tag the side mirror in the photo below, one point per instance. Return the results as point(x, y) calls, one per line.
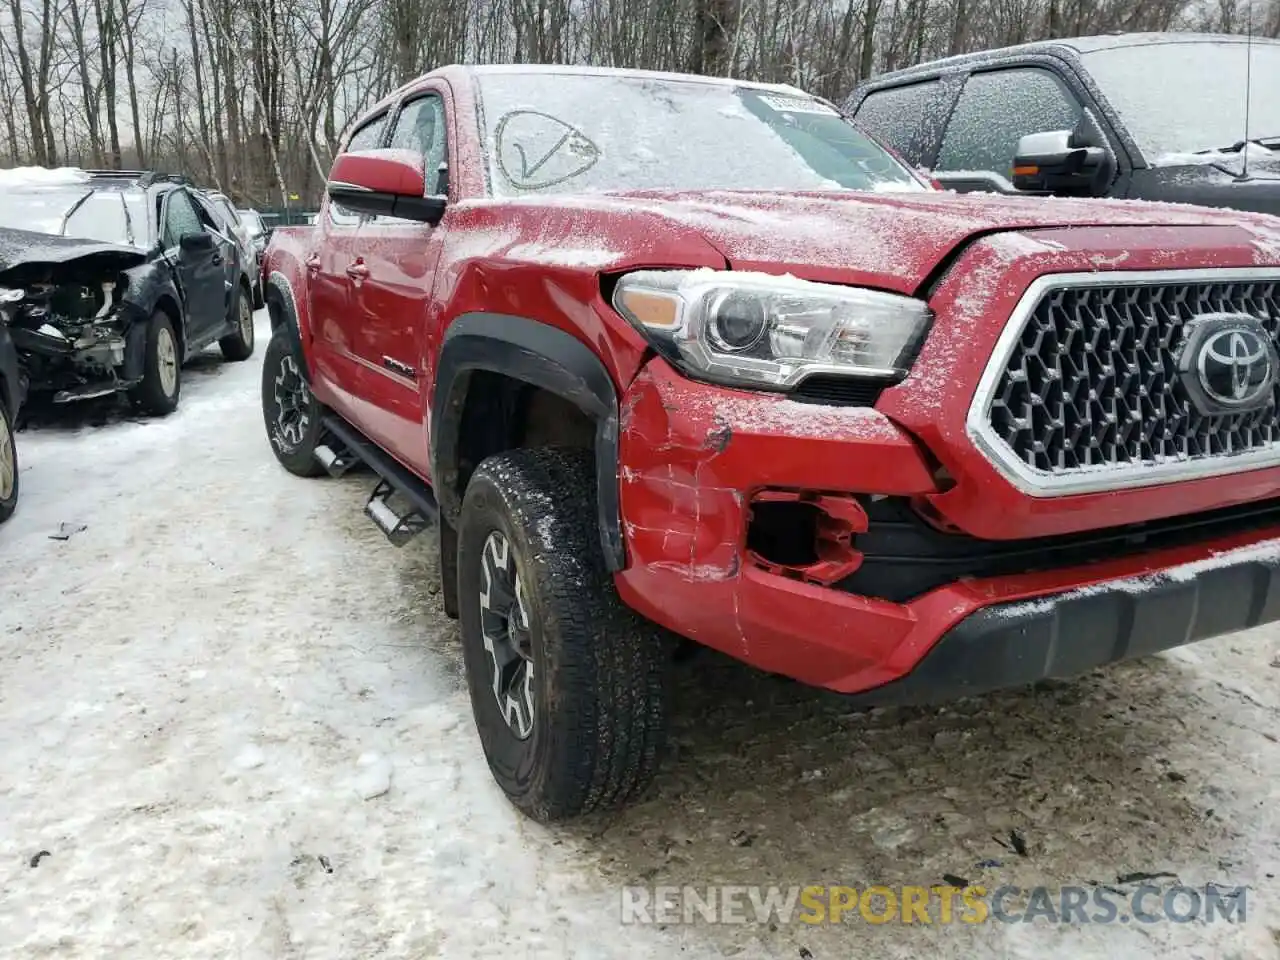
point(1074, 162)
point(201, 242)
point(384, 182)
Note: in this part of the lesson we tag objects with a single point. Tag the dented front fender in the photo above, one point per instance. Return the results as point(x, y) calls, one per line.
point(692, 456)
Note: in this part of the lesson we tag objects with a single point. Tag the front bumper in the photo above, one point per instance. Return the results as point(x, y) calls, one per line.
point(1063, 635)
point(692, 456)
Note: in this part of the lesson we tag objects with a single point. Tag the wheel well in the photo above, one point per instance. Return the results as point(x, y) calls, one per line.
point(504, 413)
point(275, 306)
point(170, 309)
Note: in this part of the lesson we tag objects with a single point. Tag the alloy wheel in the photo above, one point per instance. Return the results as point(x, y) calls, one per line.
point(167, 361)
point(293, 403)
point(246, 321)
point(508, 640)
point(8, 471)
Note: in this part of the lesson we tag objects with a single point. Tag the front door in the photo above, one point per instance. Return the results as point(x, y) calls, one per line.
point(393, 298)
point(332, 270)
point(200, 272)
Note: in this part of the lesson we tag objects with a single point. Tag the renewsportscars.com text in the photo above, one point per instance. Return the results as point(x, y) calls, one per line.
point(932, 905)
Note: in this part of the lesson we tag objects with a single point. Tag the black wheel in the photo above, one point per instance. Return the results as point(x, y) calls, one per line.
point(291, 412)
point(8, 466)
point(162, 369)
point(238, 345)
point(567, 683)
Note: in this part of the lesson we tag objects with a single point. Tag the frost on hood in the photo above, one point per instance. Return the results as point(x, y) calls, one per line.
point(574, 133)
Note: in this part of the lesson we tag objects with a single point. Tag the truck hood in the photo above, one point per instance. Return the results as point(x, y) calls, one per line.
point(894, 241)
point(898, 240)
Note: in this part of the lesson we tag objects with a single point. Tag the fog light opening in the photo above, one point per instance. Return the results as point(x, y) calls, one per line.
point(805, 535)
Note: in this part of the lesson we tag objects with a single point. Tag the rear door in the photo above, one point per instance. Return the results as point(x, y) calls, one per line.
point(200, 274)
point(907, 117)
point(393, 298)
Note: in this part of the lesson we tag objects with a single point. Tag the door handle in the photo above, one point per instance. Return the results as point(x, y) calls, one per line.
point(357, 271)
point(313, 263)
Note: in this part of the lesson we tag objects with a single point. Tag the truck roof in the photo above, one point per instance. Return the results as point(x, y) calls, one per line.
point(1070, 46)
point(490, 69)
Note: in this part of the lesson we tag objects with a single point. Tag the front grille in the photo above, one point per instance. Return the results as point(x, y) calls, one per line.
point(1091, 382)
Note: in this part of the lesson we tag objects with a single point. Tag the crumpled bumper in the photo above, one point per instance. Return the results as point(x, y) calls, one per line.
point(692, 456)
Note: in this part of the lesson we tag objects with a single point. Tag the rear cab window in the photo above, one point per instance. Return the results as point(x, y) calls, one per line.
point(897, 115)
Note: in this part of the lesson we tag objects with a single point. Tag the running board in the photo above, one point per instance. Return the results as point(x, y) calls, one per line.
point(399, 528)
point(399, 525)
point(334, 462)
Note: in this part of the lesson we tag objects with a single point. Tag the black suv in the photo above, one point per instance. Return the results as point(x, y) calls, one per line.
point(113, 280)
point(1147, 116)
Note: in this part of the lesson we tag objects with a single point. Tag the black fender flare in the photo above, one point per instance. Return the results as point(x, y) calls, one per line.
point(280, 291)
point(542, 356)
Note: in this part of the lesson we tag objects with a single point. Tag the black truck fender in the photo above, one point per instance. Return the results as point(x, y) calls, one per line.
point(542, 356)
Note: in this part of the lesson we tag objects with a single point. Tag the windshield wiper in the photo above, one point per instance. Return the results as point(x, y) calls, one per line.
point(128, 221)
point(1271, 143)
point(66, 217)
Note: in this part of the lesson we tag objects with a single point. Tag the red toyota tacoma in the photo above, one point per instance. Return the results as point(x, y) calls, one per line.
point(673, 352)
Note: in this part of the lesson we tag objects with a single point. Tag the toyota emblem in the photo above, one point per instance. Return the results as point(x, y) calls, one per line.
point(1232, 363)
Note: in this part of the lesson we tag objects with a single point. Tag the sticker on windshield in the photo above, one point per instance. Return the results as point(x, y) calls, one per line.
point(535, 150)
point(798, 105)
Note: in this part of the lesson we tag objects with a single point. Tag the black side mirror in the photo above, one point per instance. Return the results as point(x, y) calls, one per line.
point(1074, 162)
point(193, 243)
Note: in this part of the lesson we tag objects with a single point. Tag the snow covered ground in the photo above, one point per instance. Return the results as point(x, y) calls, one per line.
point(233, 716)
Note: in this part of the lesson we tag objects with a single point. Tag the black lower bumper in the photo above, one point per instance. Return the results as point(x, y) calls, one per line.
point(1063, 635)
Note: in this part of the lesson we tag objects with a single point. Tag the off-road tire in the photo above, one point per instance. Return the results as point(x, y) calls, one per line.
point(154, 395)
point(294, 448)
point(8, 460)
point(238, 345)
point(598, 686)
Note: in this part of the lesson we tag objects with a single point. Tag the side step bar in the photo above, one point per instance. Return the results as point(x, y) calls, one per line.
point(336, 462)
point(399, 526)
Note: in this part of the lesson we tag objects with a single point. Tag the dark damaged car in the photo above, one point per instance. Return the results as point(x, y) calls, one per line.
point(113, 281)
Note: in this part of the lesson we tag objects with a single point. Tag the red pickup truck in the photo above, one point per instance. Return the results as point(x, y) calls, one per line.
point(679, 355)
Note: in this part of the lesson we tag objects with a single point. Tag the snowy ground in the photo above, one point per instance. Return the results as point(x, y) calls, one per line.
point(232, 715)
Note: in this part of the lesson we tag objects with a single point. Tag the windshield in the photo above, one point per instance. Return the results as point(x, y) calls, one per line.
point(252, 222)
point(573, 133)
point(1182, 98)
point(74, 211)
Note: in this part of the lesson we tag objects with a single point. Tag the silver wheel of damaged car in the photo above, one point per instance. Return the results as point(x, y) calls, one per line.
point(246, 321)
point(167, 361)
point(8, 470)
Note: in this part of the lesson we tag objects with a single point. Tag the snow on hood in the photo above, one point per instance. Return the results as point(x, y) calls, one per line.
point(893, 241)
point(11, 177)
point(21, 248)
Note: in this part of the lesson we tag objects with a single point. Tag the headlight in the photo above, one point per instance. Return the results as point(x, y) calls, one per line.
point(765, 331)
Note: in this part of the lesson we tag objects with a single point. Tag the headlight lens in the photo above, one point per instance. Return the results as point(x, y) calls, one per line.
point(765, 331)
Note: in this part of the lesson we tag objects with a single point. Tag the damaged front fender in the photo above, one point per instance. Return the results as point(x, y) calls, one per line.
point(697, 461)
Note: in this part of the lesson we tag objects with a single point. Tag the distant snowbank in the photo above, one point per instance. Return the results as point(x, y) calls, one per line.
point(40, 176)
